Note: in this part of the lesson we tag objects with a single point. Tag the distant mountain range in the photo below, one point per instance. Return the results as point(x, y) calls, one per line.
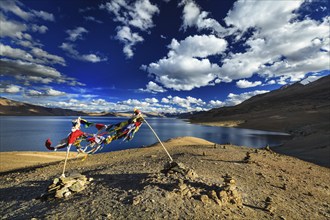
point(285, 109)
point(14, 108)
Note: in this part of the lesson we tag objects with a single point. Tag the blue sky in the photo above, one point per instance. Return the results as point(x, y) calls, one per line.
point(163, 56)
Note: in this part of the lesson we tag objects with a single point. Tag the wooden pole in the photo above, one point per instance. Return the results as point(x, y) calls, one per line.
point(66, 158)
point(157, 138)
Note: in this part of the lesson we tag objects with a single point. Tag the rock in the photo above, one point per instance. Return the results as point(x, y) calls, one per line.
point(178, 168)
point(268, 204)
point(214, 197)
point(247, 158)
point(77, 186)
point(65, 186)
point(205, 199)
point(136, 200)
point(67, 194)
point(222, 195)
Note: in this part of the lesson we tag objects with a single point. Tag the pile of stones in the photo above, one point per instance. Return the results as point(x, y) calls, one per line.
point(186, 183)
point(247, 158)
point(63, 187)
point(175, 169)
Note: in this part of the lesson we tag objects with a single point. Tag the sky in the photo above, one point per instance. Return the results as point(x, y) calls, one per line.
point(166, 56)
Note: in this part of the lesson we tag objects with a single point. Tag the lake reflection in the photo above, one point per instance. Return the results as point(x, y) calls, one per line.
point(28, 133)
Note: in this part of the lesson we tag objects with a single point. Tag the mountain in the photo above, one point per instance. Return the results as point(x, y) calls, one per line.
point(13, 108)
point(300, 110)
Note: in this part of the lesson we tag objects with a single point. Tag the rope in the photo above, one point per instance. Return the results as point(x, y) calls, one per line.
point(157, 138)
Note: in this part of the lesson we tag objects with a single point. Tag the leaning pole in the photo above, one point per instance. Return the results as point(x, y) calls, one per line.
point(157, 138)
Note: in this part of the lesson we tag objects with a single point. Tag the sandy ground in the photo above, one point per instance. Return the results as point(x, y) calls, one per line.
point(128, 184)
point(23, 159)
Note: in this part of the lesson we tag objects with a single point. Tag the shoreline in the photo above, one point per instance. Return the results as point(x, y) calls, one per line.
point(308, 145)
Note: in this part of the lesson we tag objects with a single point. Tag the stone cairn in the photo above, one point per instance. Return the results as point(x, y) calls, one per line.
point(269, 205)
point(63, 187)
point(187, 184)
point(247, 158)
point(229, 192)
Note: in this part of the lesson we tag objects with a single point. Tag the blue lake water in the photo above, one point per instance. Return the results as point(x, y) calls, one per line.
point(28, 133)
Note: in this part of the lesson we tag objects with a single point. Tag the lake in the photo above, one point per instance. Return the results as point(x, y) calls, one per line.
point(28, 133)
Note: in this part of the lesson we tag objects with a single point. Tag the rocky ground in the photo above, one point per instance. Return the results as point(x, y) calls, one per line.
point(208, 181)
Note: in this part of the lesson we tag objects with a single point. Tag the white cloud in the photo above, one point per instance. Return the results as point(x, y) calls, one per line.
point(138, 15)
point(125, 35)
point(53, 92)
point(40, 56)
point(235, 99)
point(11, 29)
point(215, 104)
point(141, 15)
point(309, 79)
point(33, 92)
point(151, 100)
point(91, 18)
point(194, 17)
point(10, 6)
point(247, 84)
point(11, 89)
point(268, 15)
point(41, 29)
point(165, 100)
point(45, 92)
point(76, 33)
point(44, 15)
point(153, 88)
point(15, 8)
point(17, 67)
point(181, 71)
point(279, 44)
point(73, 53)
point(198, 46)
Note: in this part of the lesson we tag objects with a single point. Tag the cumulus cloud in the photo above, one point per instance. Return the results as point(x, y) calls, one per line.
point(235, 99)
point(198, 46)
point(247, 84)
point(130, 15)
point(194, 17)
point(182, 70)
point(129, 39)
point(153, 88)
point(215, 104)
point(11, 89)
point(279, 45)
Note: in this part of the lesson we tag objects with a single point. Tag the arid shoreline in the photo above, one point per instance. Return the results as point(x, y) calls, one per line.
point(308, 144)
